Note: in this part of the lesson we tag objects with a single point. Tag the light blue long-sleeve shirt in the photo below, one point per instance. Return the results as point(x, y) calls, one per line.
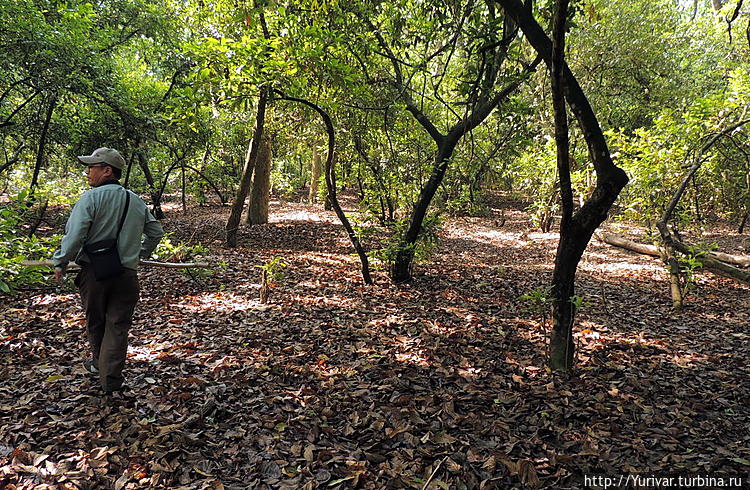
point(95, 217)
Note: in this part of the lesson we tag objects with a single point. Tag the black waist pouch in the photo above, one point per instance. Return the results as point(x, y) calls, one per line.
point(105, 259)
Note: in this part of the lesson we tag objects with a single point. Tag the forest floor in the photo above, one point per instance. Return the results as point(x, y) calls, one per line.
point(439, 383)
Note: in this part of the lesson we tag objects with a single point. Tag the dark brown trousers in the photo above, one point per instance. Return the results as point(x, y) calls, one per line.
point(109, 309)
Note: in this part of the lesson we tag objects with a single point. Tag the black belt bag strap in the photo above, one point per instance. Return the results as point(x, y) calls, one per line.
point(103, 255)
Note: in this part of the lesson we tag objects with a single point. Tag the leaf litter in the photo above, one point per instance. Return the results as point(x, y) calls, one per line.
point(440, 383)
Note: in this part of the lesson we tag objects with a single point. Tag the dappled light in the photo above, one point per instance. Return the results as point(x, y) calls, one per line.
point(328, 356)
point(218, 302)
point(374, 245)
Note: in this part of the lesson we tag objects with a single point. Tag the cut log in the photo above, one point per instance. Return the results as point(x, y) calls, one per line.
point(742, 260)
point(653, 250)
point(716, 266)
point(622, 242)
point(710, 261)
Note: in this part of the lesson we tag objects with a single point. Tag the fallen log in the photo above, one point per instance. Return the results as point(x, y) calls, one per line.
point(742, 260)
point(710, 261)
point(653, 250)
point(152, 263)
point(618, 241)
point(715, 266)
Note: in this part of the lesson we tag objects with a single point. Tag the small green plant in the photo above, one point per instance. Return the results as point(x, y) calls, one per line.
point(538, 301)
point(168, 251)
point(272, 275)
point(16, 246)
point(691, 263)
point(578, 303)
point(179, 252)
point(425, 246)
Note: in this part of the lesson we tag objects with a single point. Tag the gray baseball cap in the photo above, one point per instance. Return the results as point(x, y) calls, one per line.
point(110, 156)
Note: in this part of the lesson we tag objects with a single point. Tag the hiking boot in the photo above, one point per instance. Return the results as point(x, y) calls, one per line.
point(88, 365)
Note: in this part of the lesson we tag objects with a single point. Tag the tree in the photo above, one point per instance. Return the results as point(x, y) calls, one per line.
point(316, 167)
point(257, 212)
point(579, 226)
point(467, 35)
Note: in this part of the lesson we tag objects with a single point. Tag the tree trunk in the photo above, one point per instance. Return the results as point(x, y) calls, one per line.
point(155, 195)
point(209, 182)
point(610, 180)
point(484, 104)
point(401, 271)
point(716, 4)
point(327, 204)
point(257, 213)
point(670, 243)
point(316, 170)
point(233, 223)
point(129, 168)
point(673, 267)
point(184, 198)
point(331, 183)
point(42, 145)
point(563, 277)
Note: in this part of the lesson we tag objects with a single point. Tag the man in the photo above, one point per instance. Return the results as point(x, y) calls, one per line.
point(109, 303)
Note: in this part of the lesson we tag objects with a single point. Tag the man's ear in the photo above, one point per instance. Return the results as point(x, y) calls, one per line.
point(107, 171)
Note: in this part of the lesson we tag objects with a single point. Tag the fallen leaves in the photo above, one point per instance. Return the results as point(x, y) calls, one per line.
point(438, 384)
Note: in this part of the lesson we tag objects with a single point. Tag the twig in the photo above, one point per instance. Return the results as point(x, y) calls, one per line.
point(434, 472)
point(153, 263)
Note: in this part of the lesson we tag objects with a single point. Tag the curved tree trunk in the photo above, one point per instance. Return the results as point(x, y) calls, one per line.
point(331, 184)
point(563, 276)
point(670, 244)
point(209, 182)
point(257, 213)
point(488, 99)
point(610, 180)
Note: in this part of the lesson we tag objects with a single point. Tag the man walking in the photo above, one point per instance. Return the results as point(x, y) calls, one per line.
point(101, 214)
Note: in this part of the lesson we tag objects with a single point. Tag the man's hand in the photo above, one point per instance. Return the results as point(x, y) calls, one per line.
point(59, 272)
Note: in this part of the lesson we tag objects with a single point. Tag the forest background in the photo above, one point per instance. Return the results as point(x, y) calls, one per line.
point(417, 113)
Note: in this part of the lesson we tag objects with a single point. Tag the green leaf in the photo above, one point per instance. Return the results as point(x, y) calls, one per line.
point(340, 481)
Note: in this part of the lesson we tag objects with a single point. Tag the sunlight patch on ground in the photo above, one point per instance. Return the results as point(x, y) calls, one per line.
point(221, 301)
point(499, 237)
point(618, 268)
point(410, 353)
point(142, 352)
point(592, 339)
point(493, 236)
point(328, 259)
point(299, 215)
point(329, 301)
point(544, 237)
point(50, 299)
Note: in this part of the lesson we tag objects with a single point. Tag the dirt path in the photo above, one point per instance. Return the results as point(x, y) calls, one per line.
point(386, 386)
